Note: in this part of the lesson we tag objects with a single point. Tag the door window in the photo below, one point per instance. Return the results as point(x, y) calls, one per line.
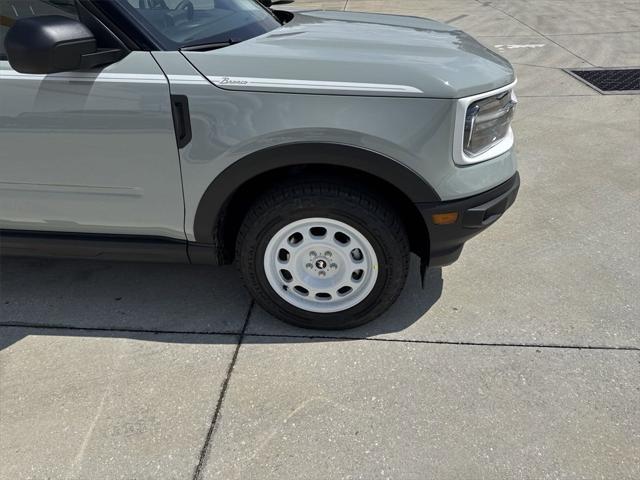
point(12, 10)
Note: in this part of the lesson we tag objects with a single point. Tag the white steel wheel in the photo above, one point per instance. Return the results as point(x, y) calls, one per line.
point(321, 265)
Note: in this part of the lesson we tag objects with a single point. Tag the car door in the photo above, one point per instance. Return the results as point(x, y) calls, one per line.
point(87, 152)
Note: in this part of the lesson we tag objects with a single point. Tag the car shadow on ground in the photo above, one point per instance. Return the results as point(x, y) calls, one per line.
point(163, 302)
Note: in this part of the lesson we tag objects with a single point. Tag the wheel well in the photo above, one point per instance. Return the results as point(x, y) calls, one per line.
point(234, 209)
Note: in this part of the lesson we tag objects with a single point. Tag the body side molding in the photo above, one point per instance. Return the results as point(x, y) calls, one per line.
point(19, 243)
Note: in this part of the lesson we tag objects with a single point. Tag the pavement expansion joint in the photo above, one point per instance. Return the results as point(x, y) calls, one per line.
point(486, 4)
point(244, 335)
point(204, 452)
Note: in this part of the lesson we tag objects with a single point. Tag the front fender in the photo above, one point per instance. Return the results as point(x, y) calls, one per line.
point(303, 153)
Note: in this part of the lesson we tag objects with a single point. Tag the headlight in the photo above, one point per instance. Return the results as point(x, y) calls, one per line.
point(483, 126)
point(487, 122)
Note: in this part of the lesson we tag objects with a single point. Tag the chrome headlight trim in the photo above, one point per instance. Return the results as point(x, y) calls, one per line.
point(502, 146)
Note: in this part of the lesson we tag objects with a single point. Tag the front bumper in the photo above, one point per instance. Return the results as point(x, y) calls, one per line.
point(474, 215)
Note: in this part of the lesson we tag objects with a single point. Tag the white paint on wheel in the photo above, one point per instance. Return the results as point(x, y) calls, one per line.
point(321, 265)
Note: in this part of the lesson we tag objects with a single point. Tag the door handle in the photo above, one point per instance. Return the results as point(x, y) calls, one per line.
point(181, 119)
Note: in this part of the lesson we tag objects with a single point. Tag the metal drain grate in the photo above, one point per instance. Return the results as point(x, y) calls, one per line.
point(610, 81)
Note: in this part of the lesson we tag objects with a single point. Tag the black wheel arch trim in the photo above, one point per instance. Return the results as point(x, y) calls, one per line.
point(300, 154)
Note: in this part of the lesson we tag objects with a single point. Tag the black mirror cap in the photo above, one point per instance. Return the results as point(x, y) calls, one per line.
point(48, 44)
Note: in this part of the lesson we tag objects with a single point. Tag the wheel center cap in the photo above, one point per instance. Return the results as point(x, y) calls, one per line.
point(321, 264)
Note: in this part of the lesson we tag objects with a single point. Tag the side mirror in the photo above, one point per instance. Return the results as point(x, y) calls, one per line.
point(52, 44)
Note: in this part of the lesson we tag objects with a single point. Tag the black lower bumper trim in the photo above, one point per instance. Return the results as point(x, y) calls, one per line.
point(474, 215)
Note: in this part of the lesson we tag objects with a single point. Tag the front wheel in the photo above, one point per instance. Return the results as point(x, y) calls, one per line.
point(321, 255)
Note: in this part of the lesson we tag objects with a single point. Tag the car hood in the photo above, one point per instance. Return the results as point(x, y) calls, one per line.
point(358, 54)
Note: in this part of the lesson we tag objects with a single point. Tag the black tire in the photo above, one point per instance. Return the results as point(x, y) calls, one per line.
point(363, 210)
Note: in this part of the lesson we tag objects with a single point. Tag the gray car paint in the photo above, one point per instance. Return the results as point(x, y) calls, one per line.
point(77, 172)
point(229, 125)
point(435, 60)
point(91, 152)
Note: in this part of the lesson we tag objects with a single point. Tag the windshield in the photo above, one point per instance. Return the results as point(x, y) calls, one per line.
point(178, 24)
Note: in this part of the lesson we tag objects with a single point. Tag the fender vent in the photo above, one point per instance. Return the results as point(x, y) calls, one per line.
point(610, 81)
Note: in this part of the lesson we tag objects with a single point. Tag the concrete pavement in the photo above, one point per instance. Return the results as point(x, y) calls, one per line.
point(520, 361)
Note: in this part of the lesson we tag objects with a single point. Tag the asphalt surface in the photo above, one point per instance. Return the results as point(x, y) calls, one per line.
point(520, 361)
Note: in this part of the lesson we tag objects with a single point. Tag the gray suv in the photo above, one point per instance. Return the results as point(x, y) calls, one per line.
point(316, 150)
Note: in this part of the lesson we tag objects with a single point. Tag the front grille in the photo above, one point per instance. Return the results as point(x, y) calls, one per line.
point(610, 81)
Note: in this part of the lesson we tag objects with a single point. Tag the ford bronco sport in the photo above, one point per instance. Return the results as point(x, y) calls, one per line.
point(315, 149)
